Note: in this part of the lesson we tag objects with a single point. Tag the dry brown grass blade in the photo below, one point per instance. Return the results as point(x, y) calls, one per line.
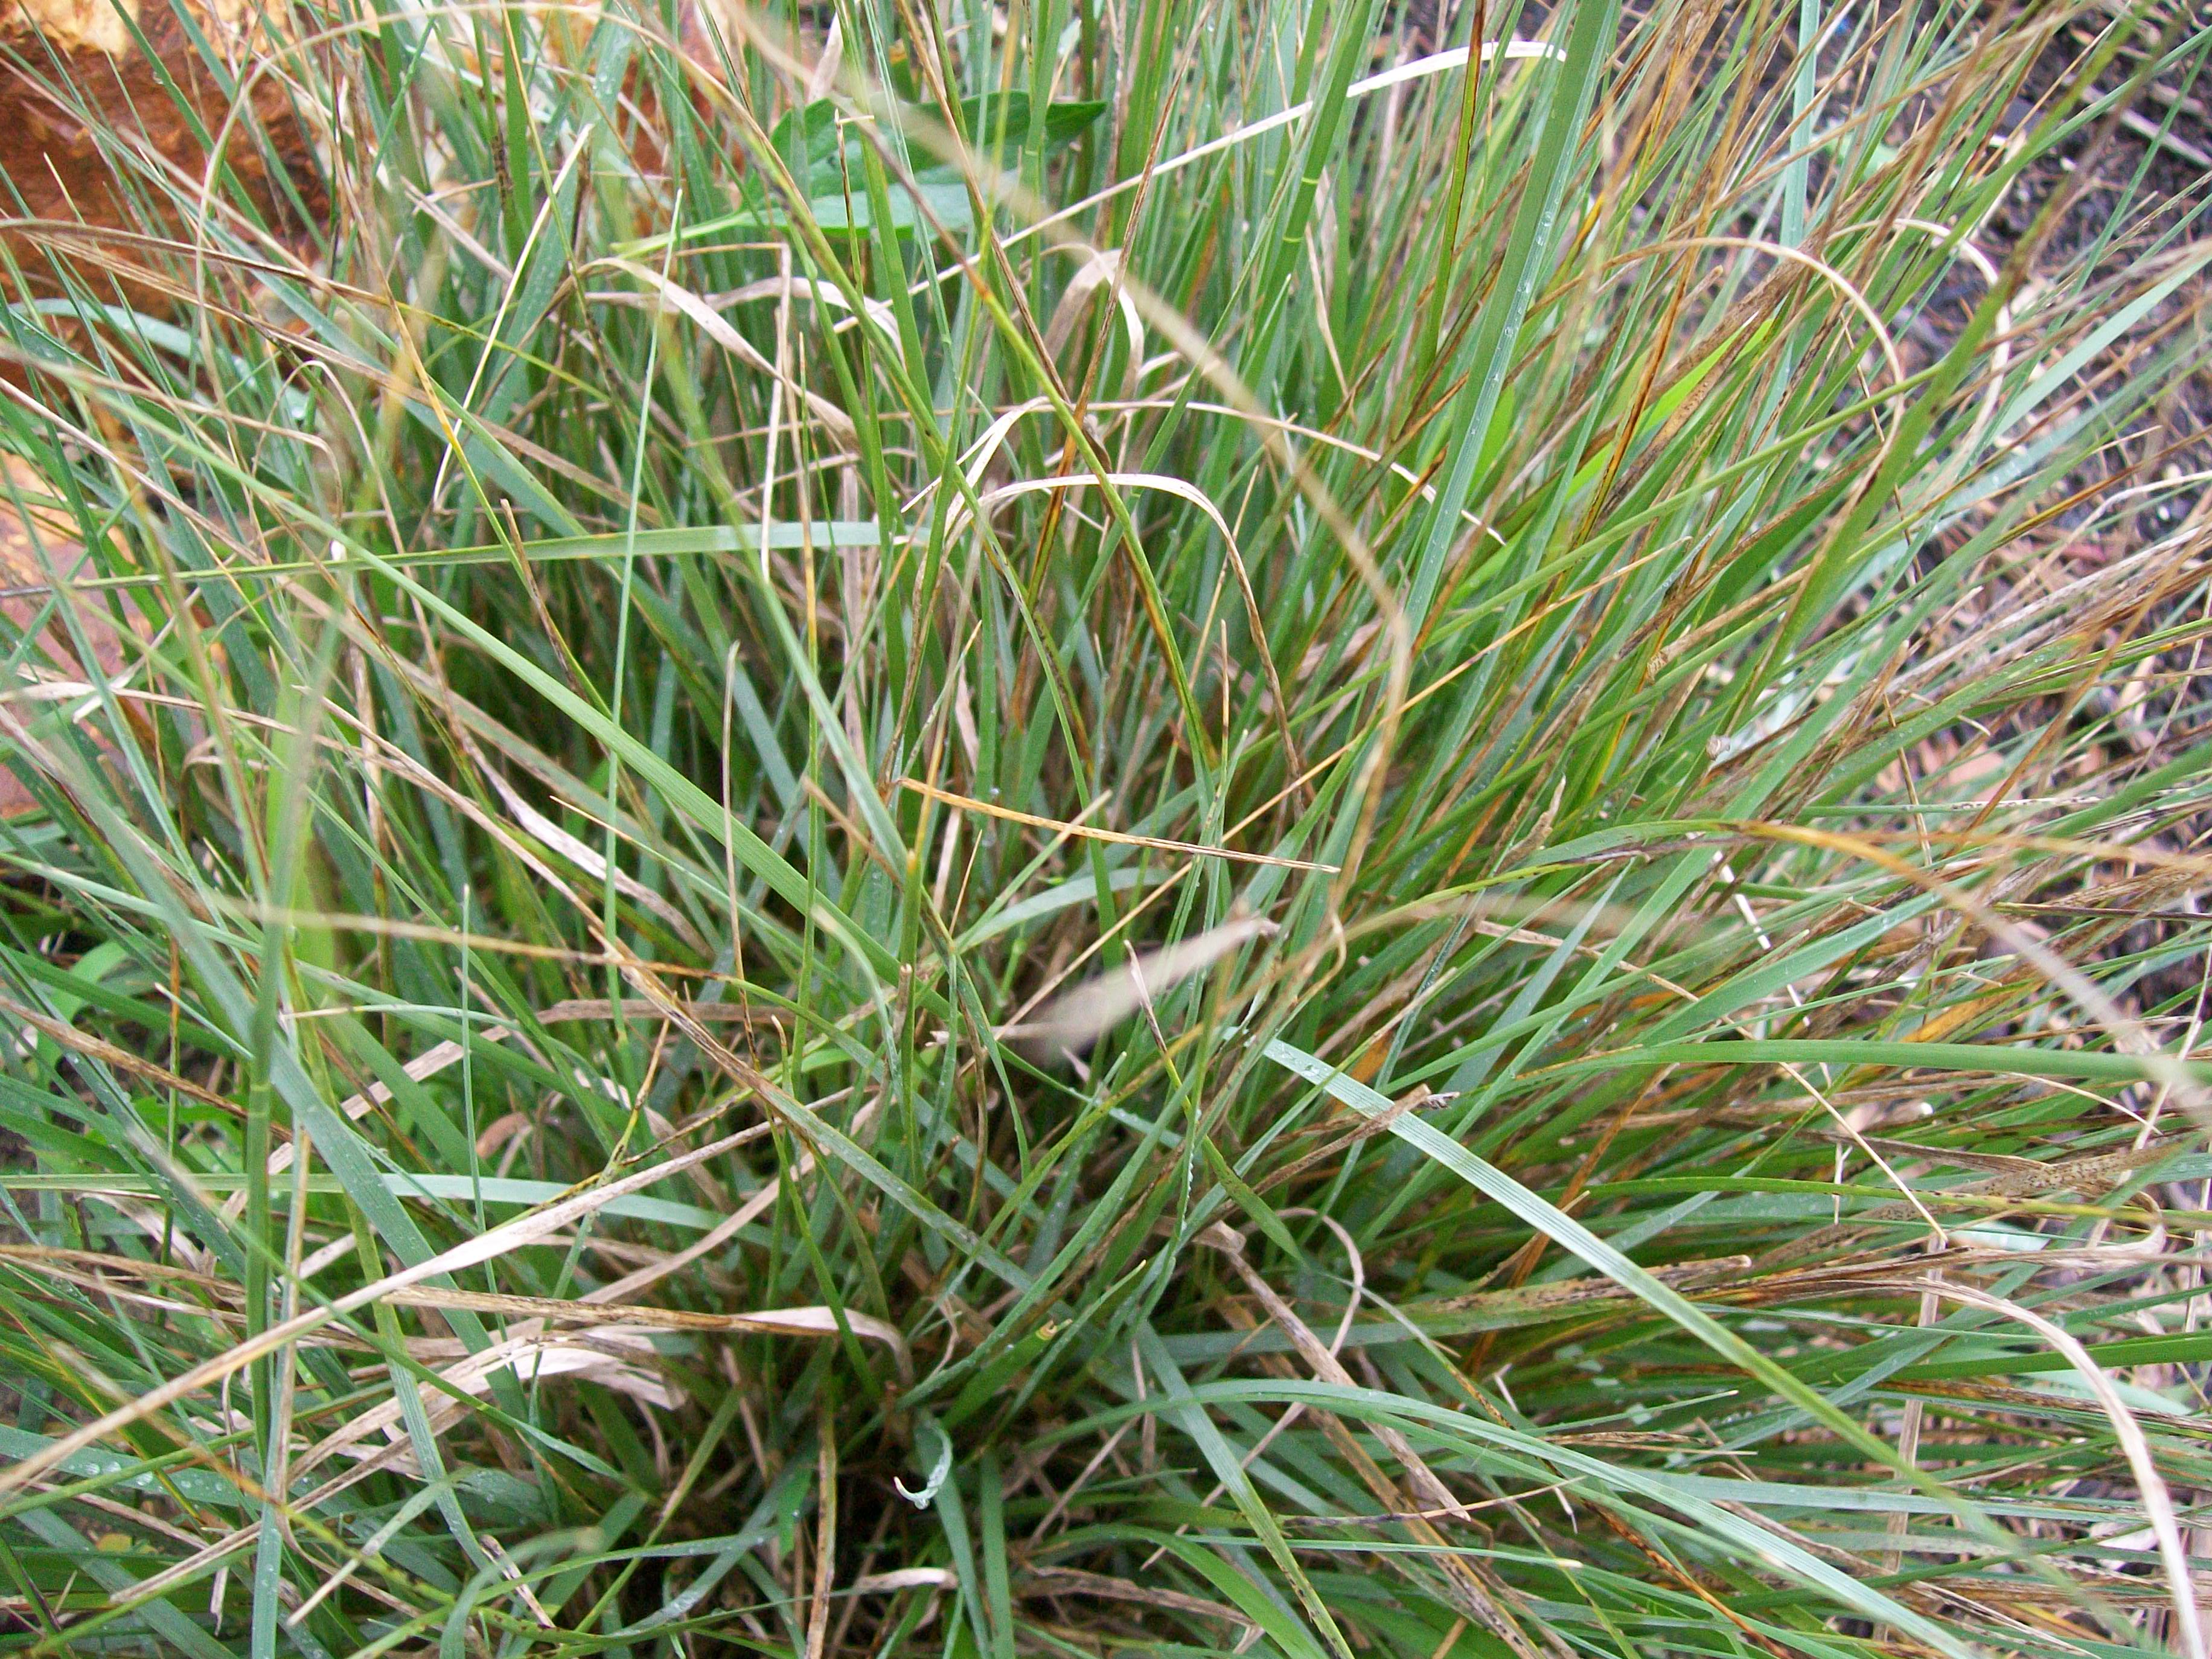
point(1073, 1580)
point(1060, 827)
point(1469, 1593)
point(107, 1054)
point(473, 1252)
point(772, 1322)
point(1078, 1018)
point(1362, 1129)
point(2150, 1485)
point(1532, 1303)
point(2092, 1172)
point(1329, 1368)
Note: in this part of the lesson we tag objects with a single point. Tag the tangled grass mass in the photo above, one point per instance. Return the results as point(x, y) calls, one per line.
point(1315, 827)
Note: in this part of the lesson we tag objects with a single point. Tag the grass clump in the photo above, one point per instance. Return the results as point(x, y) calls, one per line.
point(1146, 829)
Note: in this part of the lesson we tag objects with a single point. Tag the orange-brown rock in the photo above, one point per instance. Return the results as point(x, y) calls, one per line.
point(51, 160)
point(67, 69)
